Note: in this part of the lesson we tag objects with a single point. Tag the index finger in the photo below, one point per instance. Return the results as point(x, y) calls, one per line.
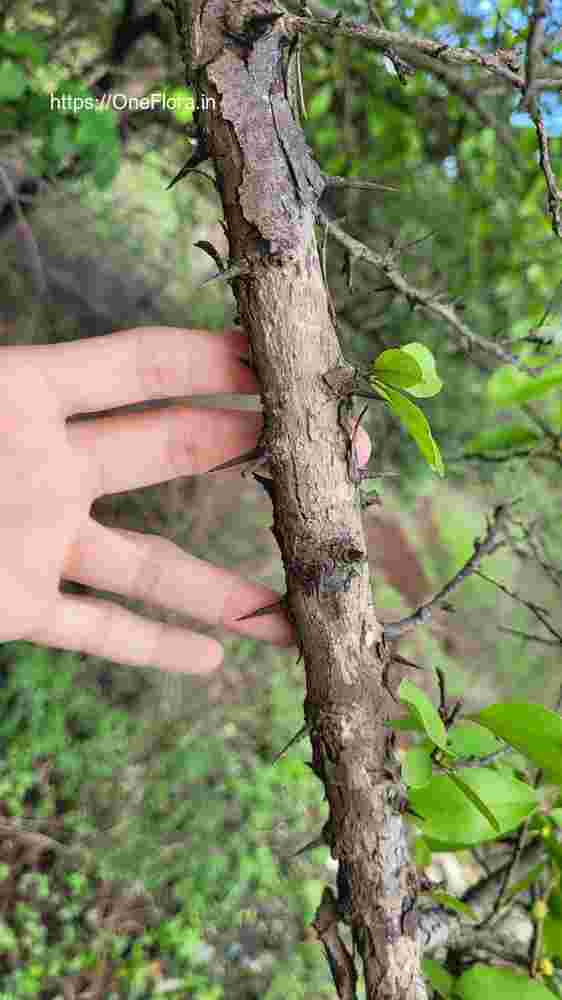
point(151, 362)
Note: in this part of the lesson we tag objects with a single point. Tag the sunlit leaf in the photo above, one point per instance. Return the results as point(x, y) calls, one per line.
point(445, 899)
point(451, 820)
point(421, 706)
point(430, 383)
point(502, 984)
point(531, 728)
point(395, 367)
point(503, 438)
point(415, 423)
point(438, 977)
point(416, 766)
point(467, 739)
point(471, 794)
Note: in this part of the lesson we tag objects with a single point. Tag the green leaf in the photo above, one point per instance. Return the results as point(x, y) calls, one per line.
point(501, 984)
point(320, 101)
point(407, 723)
point(107, 166)
point(508, 385)
point(503, 438)
point(532, 729)
point(452, 821)
point(96, 128)
point(476, 800)
point(396, 367)
point(438, 977)
point(556, 815)
point(422, 853)
point(13, 80)
point(427, 713)
point(452, 903)
point(467, 739)
point(60, 140)
point(181, 102)
point(415, 422)
point(417, 769)
point(23, 45)
point(430, 383)
point(552, 937)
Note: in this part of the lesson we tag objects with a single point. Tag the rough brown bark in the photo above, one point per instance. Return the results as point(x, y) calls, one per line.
point(270, 186)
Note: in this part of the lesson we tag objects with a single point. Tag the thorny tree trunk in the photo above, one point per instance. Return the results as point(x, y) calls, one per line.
point(270, 186)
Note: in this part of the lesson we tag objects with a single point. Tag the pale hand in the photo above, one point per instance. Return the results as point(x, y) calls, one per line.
point(51, 472)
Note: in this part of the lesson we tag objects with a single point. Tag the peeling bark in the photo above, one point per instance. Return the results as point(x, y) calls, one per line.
point(270, 187)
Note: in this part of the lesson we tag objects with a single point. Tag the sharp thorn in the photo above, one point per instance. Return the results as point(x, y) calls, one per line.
point(294, 739)
point(225, 275)
point(248, 456)
point(267, 610)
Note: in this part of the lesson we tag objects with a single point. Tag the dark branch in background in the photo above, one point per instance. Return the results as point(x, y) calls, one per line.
point(536, 609)
point(490, 544)
point(417, 297)
point(554, 195)
point(535, 43)
point(528, 636)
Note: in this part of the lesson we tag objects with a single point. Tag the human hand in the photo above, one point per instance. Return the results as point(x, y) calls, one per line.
point(52, 471)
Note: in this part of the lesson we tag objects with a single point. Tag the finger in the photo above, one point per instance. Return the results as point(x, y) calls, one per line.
point(141, 449)
point(98, 627)
point(100, 373)
point(156, 570)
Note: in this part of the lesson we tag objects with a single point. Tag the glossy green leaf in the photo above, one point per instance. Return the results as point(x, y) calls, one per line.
point(396, 368)
point(502, 984)
point(451, 820)
point(452, 903)
point(473, 796)
point(13, 81)
point(438, 977)
point(532, 729)
point(466, 739)
point(417, 767)
point(430, 383)
point(415, 423)
point(421, 706)
point(503, 438)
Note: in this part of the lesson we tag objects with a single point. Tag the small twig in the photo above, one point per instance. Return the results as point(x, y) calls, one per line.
point(554, 195)
point(533, 59)
point(528, 636)
point(358, 182)
point(294, 739)
point(486, 547)
point(341, 964)
point(536, 609)
point(387, 264)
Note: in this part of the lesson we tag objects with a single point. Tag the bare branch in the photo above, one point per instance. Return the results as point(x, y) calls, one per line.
point(387, 264)
point(490, 544)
